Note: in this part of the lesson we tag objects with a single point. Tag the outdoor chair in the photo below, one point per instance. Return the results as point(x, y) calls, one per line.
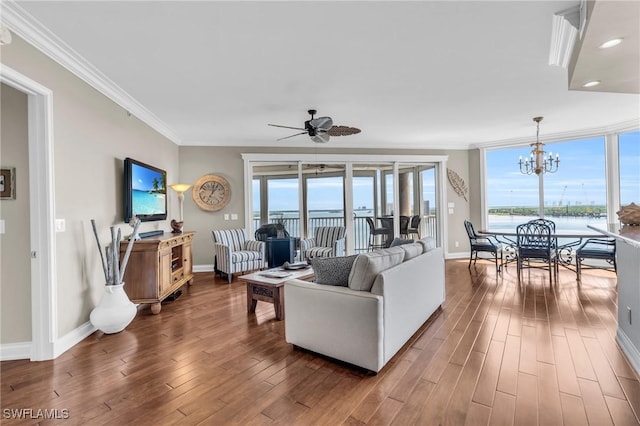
point(328, 241)
point(274, 230)
point(414, 226)
point(596, 248)
point(374, 232)
point(235, 253)
point(535, 241)
point(481, 243)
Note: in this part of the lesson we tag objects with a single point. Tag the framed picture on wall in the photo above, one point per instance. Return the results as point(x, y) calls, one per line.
point(7, 183)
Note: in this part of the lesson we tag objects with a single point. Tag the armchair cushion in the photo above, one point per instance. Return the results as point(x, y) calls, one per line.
point(329, 241)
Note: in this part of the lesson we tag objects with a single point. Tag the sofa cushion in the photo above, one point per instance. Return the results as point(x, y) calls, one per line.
point(399, 241)
point(428, 243)
point(368, 265)
point(411, 250)
point(332, 270)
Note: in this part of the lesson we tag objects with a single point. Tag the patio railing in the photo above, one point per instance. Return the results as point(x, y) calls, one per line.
point(361, 229)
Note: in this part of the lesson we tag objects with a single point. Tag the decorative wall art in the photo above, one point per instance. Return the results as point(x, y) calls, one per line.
point(458, 184)
point(211, 192)
point(7, 183)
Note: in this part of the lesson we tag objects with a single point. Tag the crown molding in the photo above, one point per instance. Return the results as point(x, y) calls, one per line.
point(563, 36)
point(21, 23)
point(622, 127)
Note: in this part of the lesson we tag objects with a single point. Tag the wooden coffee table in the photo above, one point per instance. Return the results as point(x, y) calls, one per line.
point(267, 286)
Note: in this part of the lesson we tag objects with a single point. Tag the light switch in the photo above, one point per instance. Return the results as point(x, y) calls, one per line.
point(450, 211)
point(226, 216)
point(60, 225)
point(234, 216)
point(451, 205)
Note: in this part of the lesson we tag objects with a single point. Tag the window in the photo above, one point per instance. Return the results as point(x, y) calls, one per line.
point(629, 165)
point(576, 195)
point(510, 194)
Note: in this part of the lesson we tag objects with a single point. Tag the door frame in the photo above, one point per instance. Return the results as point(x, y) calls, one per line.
point(44, 302)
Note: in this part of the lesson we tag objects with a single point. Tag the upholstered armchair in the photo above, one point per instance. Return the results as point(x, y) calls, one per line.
point(235, 253)
point(329, 241)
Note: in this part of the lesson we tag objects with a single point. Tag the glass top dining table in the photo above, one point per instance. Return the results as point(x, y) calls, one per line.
point(567, 240)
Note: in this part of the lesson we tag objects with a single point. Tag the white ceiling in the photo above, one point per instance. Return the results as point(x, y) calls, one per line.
point(449, 74)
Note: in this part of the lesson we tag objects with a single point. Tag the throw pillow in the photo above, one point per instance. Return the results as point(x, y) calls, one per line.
point(399, 241)
point(332, 270)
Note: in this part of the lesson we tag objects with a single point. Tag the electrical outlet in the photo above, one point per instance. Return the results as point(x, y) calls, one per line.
point(457, 244)
point(234, 216)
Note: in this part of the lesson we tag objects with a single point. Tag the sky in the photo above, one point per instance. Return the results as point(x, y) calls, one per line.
point(327, 193)
point(143, 178)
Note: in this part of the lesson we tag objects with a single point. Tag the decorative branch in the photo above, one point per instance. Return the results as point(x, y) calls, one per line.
point(125, 260)
point(104, 266)
point(458, 184)
point(113, 270)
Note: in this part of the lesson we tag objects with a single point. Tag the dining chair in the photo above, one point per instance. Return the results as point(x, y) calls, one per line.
point(535, 241)
point(596, 248)
point(481, 243)
point(374, 242)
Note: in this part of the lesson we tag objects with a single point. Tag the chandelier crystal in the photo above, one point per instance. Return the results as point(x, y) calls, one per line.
point(538, 162)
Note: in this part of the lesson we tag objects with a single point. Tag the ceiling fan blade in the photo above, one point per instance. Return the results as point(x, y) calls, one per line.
point(286, 127)
point(322, 137)
point(287, 137)
point(343, 131)
point(321, 123)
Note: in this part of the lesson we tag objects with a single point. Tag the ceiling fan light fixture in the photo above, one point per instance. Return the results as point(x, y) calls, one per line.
point(611, 43)
point(591, 83)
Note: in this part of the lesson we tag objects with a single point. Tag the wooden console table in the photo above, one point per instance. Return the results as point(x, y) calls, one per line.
point(158, 267)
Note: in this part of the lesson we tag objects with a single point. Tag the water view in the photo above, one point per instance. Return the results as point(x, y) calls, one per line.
point(147, 202)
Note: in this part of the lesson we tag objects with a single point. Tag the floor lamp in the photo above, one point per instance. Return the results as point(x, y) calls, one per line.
point(179, 188)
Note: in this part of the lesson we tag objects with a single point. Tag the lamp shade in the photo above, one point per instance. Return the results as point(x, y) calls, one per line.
point(180, 187)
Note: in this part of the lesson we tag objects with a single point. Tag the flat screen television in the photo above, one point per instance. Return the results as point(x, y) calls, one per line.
point(145, 191)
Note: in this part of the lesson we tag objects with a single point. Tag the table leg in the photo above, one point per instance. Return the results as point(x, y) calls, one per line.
point(251, 302)
point(278, 302)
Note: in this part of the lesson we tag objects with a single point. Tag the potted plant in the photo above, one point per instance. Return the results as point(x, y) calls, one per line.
point(115, 311)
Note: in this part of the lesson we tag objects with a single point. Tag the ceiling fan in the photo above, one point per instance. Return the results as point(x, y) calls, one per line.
point(320, 129)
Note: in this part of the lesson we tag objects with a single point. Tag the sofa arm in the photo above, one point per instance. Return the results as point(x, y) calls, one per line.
point(335, 321)
point(306, 244)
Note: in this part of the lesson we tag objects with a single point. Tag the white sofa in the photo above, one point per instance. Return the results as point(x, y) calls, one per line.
point(367, 328)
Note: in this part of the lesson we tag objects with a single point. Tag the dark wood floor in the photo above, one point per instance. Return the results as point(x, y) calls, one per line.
point(497, 354)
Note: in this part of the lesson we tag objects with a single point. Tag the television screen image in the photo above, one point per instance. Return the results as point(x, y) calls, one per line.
point(145, 191)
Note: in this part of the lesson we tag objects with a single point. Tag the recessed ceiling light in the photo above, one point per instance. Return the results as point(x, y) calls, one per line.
point(611, 43)
point(591, 83)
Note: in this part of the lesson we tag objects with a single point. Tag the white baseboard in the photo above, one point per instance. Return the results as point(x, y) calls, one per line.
point(22, 350)
point(72, 338)
point(203, 268)
point(458, 255)
point(12, 351)
point(629, 349)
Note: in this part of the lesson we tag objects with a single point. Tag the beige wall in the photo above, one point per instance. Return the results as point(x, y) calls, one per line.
point(15, 265)
point(92, 136)
point(227, 161)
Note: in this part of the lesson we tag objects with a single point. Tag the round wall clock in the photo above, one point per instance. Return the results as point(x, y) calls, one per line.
point(211, 192)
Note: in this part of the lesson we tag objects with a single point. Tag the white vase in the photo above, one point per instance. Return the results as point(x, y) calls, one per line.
point(114, 312)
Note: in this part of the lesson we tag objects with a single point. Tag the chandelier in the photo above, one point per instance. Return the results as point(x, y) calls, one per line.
point(537, 162)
